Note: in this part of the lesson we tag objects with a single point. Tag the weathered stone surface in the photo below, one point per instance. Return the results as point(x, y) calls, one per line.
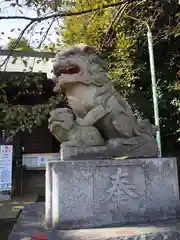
point(66, 130)
point(156, 232)
point(30, 221)
point(82, 75)
point(80, 153)
point(31, 218)
point(111, 150)
point(86, 142)
point(98, 193)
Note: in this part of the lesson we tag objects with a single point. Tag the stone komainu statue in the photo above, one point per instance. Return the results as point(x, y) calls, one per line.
point(81, 74)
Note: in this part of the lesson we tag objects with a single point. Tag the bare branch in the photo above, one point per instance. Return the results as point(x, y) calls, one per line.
point(43, 39)
point(114, 23)
point(15, 44)
point(87, 23)
point(46, 33)
point(66, 13)
point(54, 16)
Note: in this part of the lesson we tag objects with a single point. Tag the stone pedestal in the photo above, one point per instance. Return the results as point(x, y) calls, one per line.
point(105, 200)
point(108, 193)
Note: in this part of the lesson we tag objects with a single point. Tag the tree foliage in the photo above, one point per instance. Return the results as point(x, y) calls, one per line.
point(167, 59)
point(97, 29)
point(125, 49)
point(25, 102)
point(15, 114)
point(23, 45)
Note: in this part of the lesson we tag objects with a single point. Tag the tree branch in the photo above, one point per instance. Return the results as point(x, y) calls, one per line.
point(15, 44)
point(114, 22)
point(46, 33)
point(43, 39)
point(54, 16)
point(66, 13)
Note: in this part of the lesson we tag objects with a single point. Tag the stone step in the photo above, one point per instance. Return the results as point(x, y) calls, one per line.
point(169, 230)
point(159, 231)
point(10, 209)
point(31, 221)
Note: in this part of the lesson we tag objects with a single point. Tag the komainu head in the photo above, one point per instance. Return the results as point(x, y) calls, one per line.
point(79, 64)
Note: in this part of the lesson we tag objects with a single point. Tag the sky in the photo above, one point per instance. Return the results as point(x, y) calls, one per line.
point(6, 26)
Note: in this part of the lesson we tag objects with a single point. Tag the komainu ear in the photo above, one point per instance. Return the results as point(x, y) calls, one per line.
point(88, 49)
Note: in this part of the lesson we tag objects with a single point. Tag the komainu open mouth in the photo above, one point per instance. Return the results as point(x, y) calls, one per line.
point(73, 69)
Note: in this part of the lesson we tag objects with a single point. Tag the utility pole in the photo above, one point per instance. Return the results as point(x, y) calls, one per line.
point(154, 89)
point(154, 85)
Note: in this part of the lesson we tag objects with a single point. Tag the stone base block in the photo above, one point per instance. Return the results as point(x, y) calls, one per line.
point(133, 148)
point(80, 153)
point(30, 222)
point(106, 193)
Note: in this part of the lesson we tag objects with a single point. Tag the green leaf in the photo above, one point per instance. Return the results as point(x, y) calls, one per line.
point(25, 62)
point(23, 128)
point(13, 4)
point(14, 60)
point(120, 158)
point(3, 86)
point(177, 34)
point(38, 12)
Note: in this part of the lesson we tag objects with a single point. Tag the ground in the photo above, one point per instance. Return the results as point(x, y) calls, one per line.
point(9, 211)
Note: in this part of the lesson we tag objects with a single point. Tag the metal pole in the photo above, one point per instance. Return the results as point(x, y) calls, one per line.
point(154, 89)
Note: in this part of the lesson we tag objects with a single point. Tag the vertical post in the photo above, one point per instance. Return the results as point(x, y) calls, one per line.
point(55, 198)
point(48, 196)
point(154, 90)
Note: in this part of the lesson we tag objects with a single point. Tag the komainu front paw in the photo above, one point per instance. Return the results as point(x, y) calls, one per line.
point(81, 122)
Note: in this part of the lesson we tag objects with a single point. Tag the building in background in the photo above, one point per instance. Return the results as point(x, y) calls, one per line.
point(30, 150)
